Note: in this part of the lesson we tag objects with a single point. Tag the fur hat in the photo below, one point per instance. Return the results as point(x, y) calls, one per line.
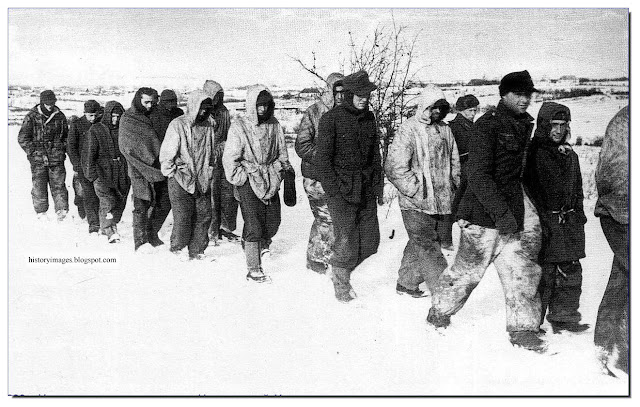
point(516, 82)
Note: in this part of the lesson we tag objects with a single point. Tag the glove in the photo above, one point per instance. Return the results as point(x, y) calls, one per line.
point(506, 224)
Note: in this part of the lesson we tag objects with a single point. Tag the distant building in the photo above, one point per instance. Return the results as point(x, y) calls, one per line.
point(308, 93)
point(568, 80)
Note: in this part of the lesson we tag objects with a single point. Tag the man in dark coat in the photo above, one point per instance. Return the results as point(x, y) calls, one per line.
point(85, 196)
point(612, 180)
point(554, 181)
point(462, 129)
point(223, 204)
point(498, 221)
point(106, 168)
point(350, 170)
point(319, 248)
point(43, 136)
point(166, 110)
point(140, 145)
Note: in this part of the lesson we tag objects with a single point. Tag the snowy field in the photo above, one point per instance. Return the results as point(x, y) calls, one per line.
point(152, 325)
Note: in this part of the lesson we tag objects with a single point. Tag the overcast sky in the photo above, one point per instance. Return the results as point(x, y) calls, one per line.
point(138, 47)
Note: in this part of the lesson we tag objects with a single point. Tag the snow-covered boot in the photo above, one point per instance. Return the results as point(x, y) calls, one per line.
point(62, 213)
point(342, 285)
point(558, 327)
point(438, 320)
point(528, 340)
point(252, 253)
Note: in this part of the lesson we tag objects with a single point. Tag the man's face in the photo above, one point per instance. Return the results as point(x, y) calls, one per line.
point(48, 107)
point(115, 118)
point(262, 109)
point(469, 113)
point(435, 114)
point(170, 104)
point(206, 107)
point(91, 117)
point(559, 130)
point(338, 96)
point(147, 101)
point(517, 102)
point(361, 102)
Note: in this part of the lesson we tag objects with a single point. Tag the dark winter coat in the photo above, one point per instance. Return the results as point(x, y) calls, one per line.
point(140, 145)
point(103, 159)
point(348, 156)
point(44, 138)
point(612, 173)
point(308, 129)
point(496, 153)
point(161, 116)
point(76, 142)
point(462, 129)
point(554, 181)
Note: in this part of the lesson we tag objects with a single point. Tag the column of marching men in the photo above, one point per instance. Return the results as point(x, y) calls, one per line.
point(517, 199)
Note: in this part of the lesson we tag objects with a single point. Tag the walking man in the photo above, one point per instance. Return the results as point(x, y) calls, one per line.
point(43, 136)
point(140, 145)
point(499, 224)
point(254, 158)
point(462, 129)
point(423, 165)
point(106, 168)
point(350, 170)
point(85, 197)
point(224, 205)
point(612, 180)
point(187, 159)
point(321, 237)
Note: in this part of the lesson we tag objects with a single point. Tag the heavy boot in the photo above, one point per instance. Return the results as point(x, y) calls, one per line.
point(528, 340)
point(341, 283)
point(252, 253)
point(140, 230)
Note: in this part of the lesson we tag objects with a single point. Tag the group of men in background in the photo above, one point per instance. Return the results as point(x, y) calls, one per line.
point(517, 199)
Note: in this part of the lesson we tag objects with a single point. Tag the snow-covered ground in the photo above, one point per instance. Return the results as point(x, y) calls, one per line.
point(152, 325)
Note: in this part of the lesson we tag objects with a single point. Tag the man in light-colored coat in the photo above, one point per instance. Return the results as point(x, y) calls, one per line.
point(424, 166)
point(187, 159)
point(254, 156)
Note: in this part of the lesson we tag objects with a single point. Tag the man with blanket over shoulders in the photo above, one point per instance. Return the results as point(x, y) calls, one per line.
point(140, 145)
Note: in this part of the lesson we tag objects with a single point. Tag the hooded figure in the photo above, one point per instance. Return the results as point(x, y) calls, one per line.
point(349, 166)
point(254, 156)
point(106, 167)
point(140, 145)
point(166, 111)
point(554, 182)
point(187, 158)
point(43, 136)
point(612, 180)
point(321, 237)
point(223, 203)
point(423, 165)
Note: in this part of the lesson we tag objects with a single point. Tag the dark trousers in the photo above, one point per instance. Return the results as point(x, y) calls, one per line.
point(356, 231)
point(53, 177)
point(223, 203)
point(148, 216)
point(560, 289)
point(112, 204)
point(612, 324)
point(261, 221)
point(422, 259)
point(86, 199)
point(191, 218)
